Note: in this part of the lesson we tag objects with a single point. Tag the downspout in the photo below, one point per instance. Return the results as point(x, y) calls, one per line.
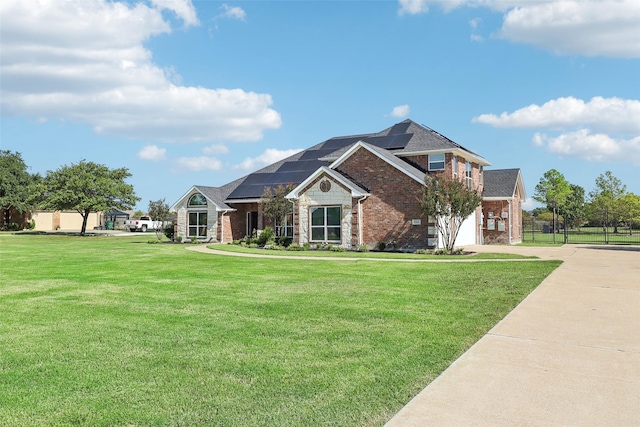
point(510, 223)
point(362, 199)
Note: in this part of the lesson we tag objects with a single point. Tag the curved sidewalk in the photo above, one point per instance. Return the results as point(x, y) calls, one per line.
point(568, 355)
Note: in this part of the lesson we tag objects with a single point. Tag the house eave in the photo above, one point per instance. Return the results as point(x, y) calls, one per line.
point(457, 151)
point(254, 200)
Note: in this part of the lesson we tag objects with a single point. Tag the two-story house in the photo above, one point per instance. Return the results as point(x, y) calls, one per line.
point(348, 191)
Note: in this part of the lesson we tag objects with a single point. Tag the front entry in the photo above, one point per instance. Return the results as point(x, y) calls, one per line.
point(252, 222)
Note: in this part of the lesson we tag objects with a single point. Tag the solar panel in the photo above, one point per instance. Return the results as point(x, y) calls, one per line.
point(338, 143)
point(399, 128)
point(301, 165)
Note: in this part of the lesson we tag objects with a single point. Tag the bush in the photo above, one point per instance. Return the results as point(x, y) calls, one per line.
point(306, 246)
point(169, 231)
point(252, 245)
point(179, 239)
point(363, 248)
point(337, 249)
point(31, 225)
point(295, 247)
point(424, 252)
point(284, 241)
point(14, 227)
point(266, 235)
point(382, 246)
point(194, 240)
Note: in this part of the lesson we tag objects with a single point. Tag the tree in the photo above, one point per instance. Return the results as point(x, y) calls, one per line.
point(606, 201)
point(450, 202)
point(19, 190)
point(88, 187)
point(276, 207)
point(159, 212)
point(573, 210)
point(631, 214)
point(553, 191)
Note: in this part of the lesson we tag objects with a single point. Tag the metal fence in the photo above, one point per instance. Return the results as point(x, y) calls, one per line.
point(535, 231)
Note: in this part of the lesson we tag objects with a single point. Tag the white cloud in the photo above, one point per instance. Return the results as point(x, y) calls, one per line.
point(234, 12)
point(196, 164)
point(590, 28)
point(592, 147)
point(152, 152)
point(613, 115)
point(182, 8)
point(215, 149)
point(85, 61)
point(270, 155)
point(400, 111)
point(568, 27)
point(413, 7)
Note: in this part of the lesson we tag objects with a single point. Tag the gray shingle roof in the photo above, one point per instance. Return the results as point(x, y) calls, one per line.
point(500, 182)
point(406, 136)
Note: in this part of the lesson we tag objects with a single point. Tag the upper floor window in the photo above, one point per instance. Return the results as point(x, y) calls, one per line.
point(436, 162)
point(455, 166)
point(469, 175)
point(197, 200)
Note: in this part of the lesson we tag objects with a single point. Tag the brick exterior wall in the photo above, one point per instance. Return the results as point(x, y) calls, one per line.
point(512, 233)
point(238, 219)
point(388, 212)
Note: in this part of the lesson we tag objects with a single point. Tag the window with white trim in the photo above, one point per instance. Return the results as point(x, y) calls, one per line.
point(455, 167)
point(325, 223)
point(197, 200)
point(197, 219)
point(469, 176)
point(197, 226)
point(286, 229)
point(436, 162)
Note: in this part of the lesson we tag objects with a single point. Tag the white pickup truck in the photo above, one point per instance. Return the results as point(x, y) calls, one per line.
point(143, 224)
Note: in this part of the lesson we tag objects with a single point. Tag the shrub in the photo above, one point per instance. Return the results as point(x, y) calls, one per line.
point(337, 249)
point(382, 246)
point(295, 247)
point(363, 248)
point(194, 240)
point(266, 236)
point(179, 239)
point(284, 241)
point(424, 252)
point(306, 246)
point(14, 227)
point(252, 245)
point(169, 231)
point(31, 225)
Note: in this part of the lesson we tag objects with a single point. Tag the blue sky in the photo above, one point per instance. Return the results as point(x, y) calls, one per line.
point(202, 92)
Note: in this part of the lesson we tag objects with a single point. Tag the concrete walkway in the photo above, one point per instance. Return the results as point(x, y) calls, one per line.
point(568, 355)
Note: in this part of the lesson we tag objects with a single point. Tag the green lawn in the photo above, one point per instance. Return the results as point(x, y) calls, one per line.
point(586, 235)
point(112, 331)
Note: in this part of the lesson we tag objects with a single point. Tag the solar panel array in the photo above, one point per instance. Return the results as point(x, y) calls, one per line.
point(294, 172)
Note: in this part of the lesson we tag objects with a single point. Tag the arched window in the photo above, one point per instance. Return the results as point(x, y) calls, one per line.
point(197, 200)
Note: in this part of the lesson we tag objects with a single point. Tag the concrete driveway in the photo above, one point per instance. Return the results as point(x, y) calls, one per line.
point(568, 355)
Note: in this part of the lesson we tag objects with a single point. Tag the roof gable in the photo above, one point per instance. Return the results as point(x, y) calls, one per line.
point(356, 191)
point(214, 195)
point(385, 155)
point(502, 184)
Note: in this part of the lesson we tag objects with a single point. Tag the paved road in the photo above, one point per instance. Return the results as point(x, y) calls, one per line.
point(568, 355)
